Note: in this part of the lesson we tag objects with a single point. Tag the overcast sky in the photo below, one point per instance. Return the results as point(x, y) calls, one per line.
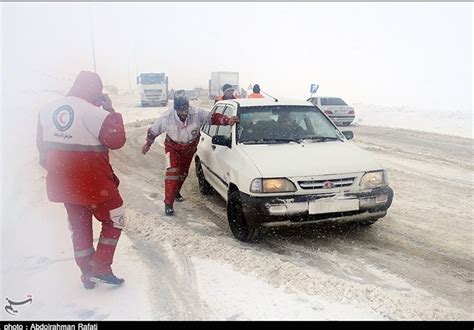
point(380, 53)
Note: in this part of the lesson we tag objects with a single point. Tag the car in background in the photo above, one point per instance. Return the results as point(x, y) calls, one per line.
point(335, 108)
point(285, 163)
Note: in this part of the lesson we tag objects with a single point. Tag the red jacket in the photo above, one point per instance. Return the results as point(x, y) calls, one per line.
point(73, 139)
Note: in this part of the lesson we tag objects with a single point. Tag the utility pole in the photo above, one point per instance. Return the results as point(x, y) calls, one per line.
point(128, 65)
point(92, 39)
point(106, 71)
point(135, 57)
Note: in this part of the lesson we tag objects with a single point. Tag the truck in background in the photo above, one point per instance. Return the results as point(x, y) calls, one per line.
point(218, 79)
point(153, 89)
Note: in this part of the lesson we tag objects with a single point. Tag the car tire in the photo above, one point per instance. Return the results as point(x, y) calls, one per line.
point(164, 104)
point(240, 227)
point(204, 187)
point(144, 105)
point(368, 222)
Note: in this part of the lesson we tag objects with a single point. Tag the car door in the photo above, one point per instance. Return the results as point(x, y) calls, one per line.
point(207, 149)
point(222, 155)
point(204, 147)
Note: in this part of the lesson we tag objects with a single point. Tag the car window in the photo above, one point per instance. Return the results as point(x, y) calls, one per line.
point(332, 101)
point(283, 122)
point(213, 128)
point(226, 130)
point(205, 127)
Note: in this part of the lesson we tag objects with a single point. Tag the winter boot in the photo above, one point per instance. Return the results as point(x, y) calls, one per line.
point(109, 278)
point(178, 197)
point(169, 209)
point(88, 284)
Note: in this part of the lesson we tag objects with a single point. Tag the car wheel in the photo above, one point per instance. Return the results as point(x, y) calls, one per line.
point(368, 222)
point(144, 104)
point(204, 187)
point(240, 227)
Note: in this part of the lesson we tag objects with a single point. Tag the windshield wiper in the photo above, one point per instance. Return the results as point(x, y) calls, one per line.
point(322, 138)
point(266, 140)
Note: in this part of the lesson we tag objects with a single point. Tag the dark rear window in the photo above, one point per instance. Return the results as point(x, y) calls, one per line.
point(332, 101)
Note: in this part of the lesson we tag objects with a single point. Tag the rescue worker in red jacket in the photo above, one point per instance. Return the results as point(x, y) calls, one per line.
point(74, 136)
point(256, 93)
point(182, 126)
point(228, 91)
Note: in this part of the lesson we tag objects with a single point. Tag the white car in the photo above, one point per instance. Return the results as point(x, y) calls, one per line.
point(336, 109)
point(285, 163)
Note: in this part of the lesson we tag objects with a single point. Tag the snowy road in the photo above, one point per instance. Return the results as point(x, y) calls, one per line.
point(416, 263)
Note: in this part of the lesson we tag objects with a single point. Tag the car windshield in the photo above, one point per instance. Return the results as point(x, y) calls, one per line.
point(332, 101)
point(284, 124)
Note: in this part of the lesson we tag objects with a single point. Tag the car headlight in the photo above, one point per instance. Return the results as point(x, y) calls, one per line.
point(373, 180)
point(272, 186)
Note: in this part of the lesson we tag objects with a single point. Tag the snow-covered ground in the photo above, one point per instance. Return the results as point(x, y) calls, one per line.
point(37, 257)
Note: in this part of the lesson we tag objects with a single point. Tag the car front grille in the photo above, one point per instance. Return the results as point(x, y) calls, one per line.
point(327, 183)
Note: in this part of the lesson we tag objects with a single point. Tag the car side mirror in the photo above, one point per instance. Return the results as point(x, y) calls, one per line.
point(221, 140)
point(348, 134)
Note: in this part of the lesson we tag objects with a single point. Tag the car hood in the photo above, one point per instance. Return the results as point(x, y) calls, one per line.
point(308, 159)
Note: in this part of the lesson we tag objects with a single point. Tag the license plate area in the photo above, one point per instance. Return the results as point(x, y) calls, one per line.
point(329, 205)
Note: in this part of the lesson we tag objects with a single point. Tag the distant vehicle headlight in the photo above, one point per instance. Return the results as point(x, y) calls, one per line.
point(272, 186)
point(374, 179)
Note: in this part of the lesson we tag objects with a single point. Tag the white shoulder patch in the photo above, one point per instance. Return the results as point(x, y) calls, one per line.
point(118, 217)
